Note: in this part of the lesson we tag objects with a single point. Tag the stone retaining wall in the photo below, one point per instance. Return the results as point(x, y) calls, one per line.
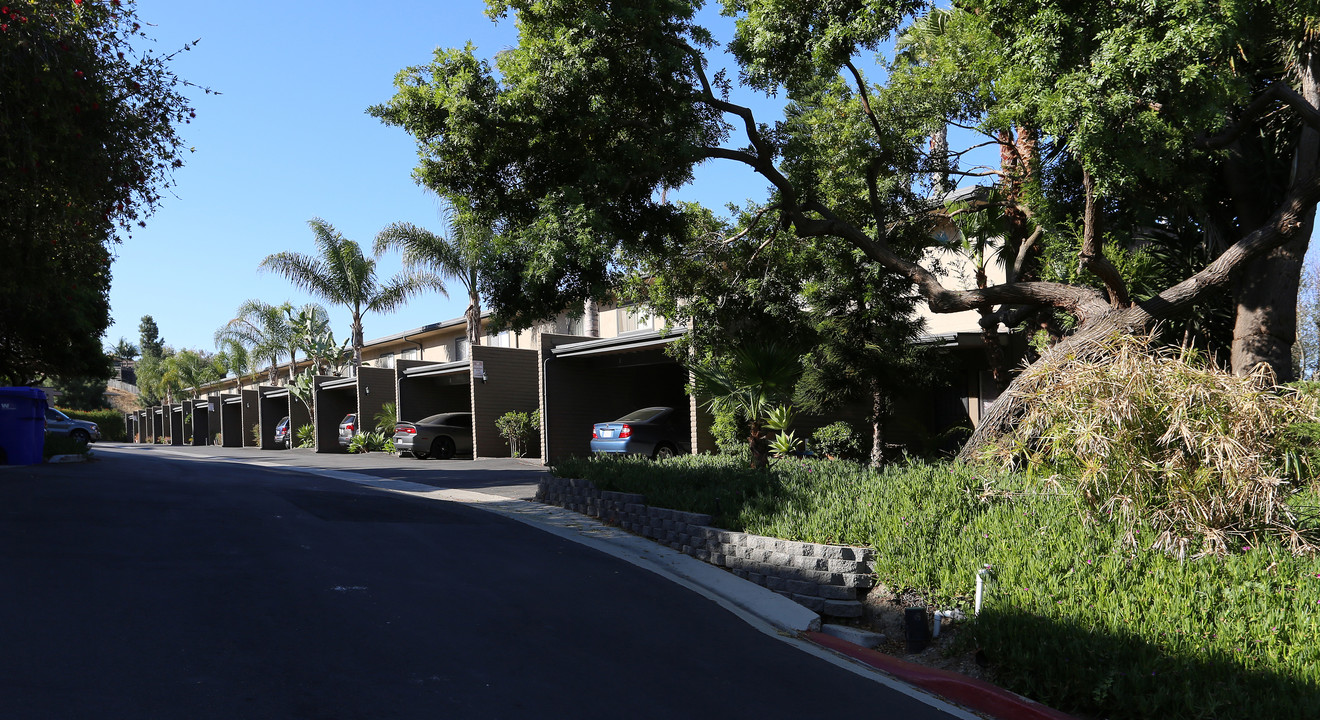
point(828, 579)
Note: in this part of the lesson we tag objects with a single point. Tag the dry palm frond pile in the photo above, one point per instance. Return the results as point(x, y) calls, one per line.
point(1162, 439)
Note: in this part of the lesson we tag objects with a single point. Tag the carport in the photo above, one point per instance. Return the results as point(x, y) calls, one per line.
point(272, 407)
point(231, 420)
point(158, 423)
point(585, 381)
point(200, 410)
point(364, 394)
point(176, 424)
point(505, 381)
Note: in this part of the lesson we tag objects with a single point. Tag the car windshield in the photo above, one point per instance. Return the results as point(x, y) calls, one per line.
point(644, 415)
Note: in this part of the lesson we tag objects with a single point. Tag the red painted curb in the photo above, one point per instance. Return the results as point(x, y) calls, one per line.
point(968, 692)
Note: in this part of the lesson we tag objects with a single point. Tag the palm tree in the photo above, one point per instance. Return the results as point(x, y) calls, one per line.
point(457, 256)
point(235, 357)
point(263, 330)
point(341, 274)
point(756, 384)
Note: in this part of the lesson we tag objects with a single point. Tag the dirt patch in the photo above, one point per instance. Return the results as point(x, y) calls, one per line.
point(884, 613)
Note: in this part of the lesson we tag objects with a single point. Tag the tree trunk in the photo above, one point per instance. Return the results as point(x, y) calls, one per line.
point(591, 319)
point(473, 317)
point(1266, 325)
point(1005, 411)
point(879, 413)
point(358, 342)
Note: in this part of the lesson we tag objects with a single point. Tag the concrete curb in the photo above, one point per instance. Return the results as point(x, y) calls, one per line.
point(977, 695)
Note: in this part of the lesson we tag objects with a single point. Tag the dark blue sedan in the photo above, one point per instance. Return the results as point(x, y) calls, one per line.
point(654, 432)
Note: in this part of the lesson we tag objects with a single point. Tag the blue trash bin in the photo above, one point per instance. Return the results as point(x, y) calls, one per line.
point(22, 425)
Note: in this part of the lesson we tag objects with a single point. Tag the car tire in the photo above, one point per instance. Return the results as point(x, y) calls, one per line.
point(80, 436)
point(663, 451)
point(443, 447)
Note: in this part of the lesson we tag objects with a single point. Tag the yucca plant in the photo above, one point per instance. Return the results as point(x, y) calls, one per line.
point(1161, 436)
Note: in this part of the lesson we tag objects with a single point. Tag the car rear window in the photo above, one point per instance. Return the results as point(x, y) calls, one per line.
point(644, 415)
point(454, 419)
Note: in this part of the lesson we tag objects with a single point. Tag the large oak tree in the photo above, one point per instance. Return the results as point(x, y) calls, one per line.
point(1194, 115)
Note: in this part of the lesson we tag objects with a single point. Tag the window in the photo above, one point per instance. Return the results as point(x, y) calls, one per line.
point(409, 354)
point(575, 326)
point(460, 349)
point(501, 339)
point(385, 361)
point(633, 318)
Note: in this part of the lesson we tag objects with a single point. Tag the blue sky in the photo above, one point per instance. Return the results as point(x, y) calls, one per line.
point(287, 140)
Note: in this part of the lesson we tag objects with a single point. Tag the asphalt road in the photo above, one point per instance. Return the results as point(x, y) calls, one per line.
point(146, 586)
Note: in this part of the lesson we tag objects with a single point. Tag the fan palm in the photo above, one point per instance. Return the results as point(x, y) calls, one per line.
point(235, 357)
point(457, 256)
point(341, 274)
point(263, 330)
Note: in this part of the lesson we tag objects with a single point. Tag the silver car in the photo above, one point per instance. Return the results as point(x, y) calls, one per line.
point(441, 436)
point(81, 431)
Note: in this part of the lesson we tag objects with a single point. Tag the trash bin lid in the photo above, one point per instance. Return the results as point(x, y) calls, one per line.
point(25, 392)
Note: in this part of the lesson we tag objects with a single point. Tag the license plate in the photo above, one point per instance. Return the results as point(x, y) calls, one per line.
point(607, 433)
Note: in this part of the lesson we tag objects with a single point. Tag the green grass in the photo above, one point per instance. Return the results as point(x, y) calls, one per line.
point(1081, 615)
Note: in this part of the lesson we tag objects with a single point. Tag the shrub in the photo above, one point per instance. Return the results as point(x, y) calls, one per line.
point(111, 422)
point(387, 418)
point(374, 441)
point(729, 431)
point(1160, 437)
point(836, 440)
point(256, 434)
point(306, 436)
point(1077, 617)
point(517, 429)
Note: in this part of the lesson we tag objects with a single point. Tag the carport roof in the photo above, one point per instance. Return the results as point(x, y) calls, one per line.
point(282, 392)
point(448, 368)
point(340, 383)
point(621, 343)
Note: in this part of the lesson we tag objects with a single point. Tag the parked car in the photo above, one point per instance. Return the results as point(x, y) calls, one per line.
point(651, 431)
point(347, 428)
point(82, 431)
point(441, 436)
point(282, 434)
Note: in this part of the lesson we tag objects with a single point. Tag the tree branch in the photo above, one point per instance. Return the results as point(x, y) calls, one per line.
point(1092, 256)
point(1278, 91)
point(866, 101)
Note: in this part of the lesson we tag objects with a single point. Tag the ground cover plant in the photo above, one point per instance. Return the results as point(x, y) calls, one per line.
point(1077, 616)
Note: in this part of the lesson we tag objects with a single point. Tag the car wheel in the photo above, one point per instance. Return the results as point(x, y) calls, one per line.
point(443, 447)
point(421, 454)
point(663, 451)
point(80, 436)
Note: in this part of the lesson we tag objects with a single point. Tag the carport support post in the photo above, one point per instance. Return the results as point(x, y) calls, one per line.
point(189, 427)
point(176, 423)
point(251, 416)
point(511, 386)
point(158, 423)
point(299, 416)
point(231, 421)
point(270, 410)
point(375, 387)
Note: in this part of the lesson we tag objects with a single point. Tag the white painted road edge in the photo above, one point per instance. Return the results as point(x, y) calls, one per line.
point(759, 607)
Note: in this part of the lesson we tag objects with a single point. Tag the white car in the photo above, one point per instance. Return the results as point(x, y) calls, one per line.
point(82, 431)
